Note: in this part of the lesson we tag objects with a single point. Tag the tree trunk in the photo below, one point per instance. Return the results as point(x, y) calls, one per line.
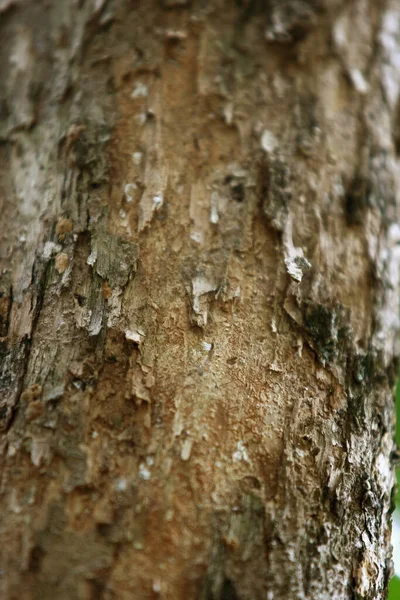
point(199, 291)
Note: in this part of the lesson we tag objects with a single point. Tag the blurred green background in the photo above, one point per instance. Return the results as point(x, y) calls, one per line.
point(394, 590)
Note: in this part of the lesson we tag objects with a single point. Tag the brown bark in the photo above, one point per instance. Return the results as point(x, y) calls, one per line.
point(198, 304)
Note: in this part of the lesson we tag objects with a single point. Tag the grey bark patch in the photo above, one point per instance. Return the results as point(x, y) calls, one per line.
point(381, 180)
point(327, 328)
point(290, 21)
point(308, 127)
point(89, 306)
point(320, 323)
point(5, 306)
point(12, 370)
point(113, 258)
point(276, 191)
point(82, 144)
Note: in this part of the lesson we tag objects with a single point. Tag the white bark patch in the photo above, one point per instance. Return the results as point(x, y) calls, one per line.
point(92, 258)
point(295, 261)
point(359, 81)
point(18, 84)
point(96, 318)
point(339, 33)
point(157, 201)
point(186, 448)
point(137, 158)
point(240, 453)
point(40, 452)
point(140, 90)
point(141, 118)
point(268, 141)
point(207, 347)
point(354, 56)
point(135, 335)
point(50, 249)
point(390, 41)
point(200, 287)
point(389, 265)
point(175, 34)
point(144, 472)
point(396, 542)
point(197, 236)
point(228, 113)
point(383, 465)
point(121, 485)
point(214, 216)
point(14, 504)
point(130, 191)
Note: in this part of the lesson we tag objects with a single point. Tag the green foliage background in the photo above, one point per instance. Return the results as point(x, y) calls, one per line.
point(394, 590)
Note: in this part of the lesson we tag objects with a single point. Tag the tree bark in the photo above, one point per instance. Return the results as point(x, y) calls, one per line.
point(199, 298)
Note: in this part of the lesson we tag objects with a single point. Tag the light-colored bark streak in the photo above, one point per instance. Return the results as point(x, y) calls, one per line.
point(199, 298)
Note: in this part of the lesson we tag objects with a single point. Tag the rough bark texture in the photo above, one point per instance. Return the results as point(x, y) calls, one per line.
point(198, 304)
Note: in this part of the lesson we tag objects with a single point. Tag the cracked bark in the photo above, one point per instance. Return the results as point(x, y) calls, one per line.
point(198, 298)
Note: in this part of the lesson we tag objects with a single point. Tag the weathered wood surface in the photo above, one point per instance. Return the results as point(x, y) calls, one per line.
point(199, 298)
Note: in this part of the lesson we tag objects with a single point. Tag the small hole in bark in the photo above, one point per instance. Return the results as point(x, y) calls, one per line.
point(98, 589)
point(52, 404)
point(80, 299)
point(104, 529)
point(355, 201)
point(228, 591)
point(232, 360)
point(237, 192)
point(111, 358)
point(36, 558)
